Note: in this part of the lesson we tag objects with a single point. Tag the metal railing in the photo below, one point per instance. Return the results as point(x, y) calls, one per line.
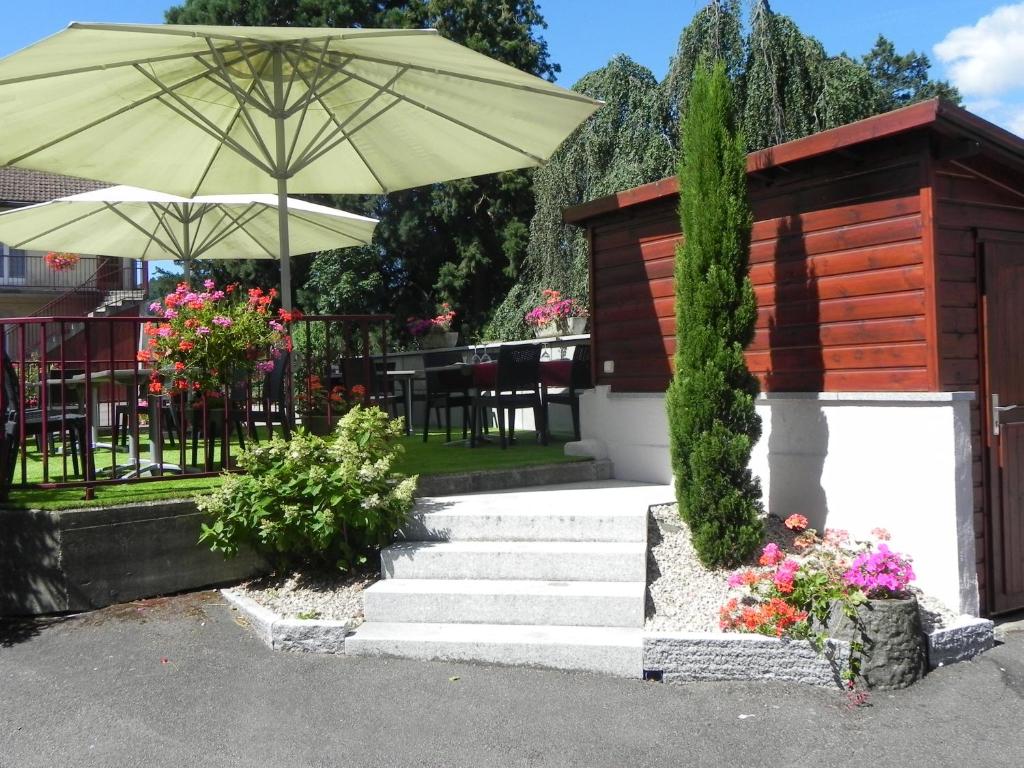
point(79, 410)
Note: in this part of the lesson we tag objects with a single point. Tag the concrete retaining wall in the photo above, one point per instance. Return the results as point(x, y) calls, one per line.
point(899, 460)
point(81, 559)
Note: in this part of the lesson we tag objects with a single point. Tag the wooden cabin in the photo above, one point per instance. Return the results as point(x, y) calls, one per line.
point(888, 261)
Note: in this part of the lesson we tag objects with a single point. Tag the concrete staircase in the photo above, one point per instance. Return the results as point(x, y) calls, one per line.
point(551, 577)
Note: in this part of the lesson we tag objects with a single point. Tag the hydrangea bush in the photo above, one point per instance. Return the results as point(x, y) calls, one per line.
point(326, 502)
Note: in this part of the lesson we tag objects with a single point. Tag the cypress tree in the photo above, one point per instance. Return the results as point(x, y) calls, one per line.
point(712, 421)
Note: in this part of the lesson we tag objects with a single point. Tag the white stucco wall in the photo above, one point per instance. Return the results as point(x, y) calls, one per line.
point(901, 461)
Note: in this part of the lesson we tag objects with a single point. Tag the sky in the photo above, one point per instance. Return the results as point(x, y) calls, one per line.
point(976, 44)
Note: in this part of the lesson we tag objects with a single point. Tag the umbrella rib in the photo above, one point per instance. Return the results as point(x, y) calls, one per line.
point(161, 213)
point(303, 106)
point(321, 225)
point(311, 155)
point(220, 145)
point(244, 99)
point(117, 212)
point(97, 121)
point(252, 237)
point(559, 93)
point(217, 236)
point(220, 72)
point(185, 31)
point(49, 75)
point(190, 113)
point(50, 231)
point(438, 113)
point(311, 152)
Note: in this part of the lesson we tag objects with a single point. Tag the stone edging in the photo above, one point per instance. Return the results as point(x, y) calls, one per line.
point(677, 657)
point(310, 635)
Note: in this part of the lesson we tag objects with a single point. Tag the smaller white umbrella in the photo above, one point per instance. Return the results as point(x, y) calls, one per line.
point(142, 224)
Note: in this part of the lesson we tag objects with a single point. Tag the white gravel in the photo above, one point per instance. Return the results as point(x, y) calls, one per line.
point(684, 596)
point(310, 596)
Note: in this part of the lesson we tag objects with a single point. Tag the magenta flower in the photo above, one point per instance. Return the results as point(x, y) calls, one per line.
point(222, 321)
point(265, 366)
point(209, 284)
point(202, 330)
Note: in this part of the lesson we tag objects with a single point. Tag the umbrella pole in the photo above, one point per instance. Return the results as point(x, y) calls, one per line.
point(282, 231)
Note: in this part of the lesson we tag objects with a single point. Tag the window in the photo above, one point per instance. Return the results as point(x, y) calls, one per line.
point(13, 265)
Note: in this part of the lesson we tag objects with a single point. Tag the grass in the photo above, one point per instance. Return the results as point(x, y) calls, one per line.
point(430, 458)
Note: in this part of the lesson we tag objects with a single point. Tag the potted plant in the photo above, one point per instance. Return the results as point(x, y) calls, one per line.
point(557, 316)
point(857, 591)
point(435, 332)
point(206, 341)
point(321, 409)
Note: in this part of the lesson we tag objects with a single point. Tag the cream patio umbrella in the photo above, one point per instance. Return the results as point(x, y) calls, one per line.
point(142, 224)
point(203, 109)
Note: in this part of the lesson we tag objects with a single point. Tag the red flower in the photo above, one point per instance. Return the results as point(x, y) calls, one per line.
point(144, 356)
point(155, 387)
point(185, 346)
point(179, 366)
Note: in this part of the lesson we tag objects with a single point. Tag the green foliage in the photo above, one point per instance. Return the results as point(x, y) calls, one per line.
point(623, 144)
point(902, 79)
point(324, 501)
point(712, 421)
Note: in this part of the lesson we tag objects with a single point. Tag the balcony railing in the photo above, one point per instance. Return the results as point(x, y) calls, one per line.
point(31, 272)
point(78, 411)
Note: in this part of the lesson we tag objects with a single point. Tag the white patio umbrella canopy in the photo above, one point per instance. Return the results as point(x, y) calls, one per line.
point(142, 224)
point(197, 110)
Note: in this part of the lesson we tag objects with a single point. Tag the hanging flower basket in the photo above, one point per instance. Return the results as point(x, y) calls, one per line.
point(61, 262)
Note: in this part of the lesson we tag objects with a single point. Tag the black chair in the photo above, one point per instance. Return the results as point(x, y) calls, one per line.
point(580, 379)
point(445, 389)
point(372, 375)
point(517, 385)
point(273, 403)
point(209, 418)
point(32, 421)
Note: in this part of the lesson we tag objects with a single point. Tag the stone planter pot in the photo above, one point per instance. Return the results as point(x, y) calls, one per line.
point(894, 654)
point(439, 340)
point(570, 326)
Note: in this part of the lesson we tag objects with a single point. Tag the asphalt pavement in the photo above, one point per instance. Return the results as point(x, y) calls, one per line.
point(182, 682)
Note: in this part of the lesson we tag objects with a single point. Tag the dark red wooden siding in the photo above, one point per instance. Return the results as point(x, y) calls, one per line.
point(837, 265)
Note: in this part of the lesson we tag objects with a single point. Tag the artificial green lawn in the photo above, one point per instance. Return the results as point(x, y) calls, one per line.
point(430, 458)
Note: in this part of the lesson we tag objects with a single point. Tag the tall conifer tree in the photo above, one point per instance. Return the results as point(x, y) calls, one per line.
point(712, 421)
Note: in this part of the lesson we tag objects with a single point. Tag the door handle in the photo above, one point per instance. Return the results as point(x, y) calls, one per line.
point(996, 410)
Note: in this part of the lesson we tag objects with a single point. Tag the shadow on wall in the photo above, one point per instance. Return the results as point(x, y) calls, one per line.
point(798, 436)
point(31, 578)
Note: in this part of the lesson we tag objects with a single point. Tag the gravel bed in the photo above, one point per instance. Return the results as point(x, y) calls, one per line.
point(333, 596)
point(684, 596)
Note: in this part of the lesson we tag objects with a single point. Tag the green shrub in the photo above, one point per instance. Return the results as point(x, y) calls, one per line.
point(712, 421)
point(313, 500)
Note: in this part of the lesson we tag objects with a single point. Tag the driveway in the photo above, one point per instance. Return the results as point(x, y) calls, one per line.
point(181, 682)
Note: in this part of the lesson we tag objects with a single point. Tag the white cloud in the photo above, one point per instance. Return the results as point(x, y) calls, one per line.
point(986, 59)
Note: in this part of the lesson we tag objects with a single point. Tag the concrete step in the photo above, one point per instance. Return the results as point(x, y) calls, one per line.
point(597, 511)
point(526, 560)
point(572, 603)
point(609, 650)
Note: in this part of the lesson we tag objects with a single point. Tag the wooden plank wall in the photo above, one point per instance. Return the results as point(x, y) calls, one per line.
point(837, 266)
point(970, 195)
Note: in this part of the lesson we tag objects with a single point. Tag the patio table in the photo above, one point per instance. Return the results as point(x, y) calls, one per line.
point(130, 377)
point(553, 373)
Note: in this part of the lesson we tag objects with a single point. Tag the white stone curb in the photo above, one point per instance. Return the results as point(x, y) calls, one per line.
point(309, 635)
point(960, 642)
point(713, 656)
point(678, 657)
